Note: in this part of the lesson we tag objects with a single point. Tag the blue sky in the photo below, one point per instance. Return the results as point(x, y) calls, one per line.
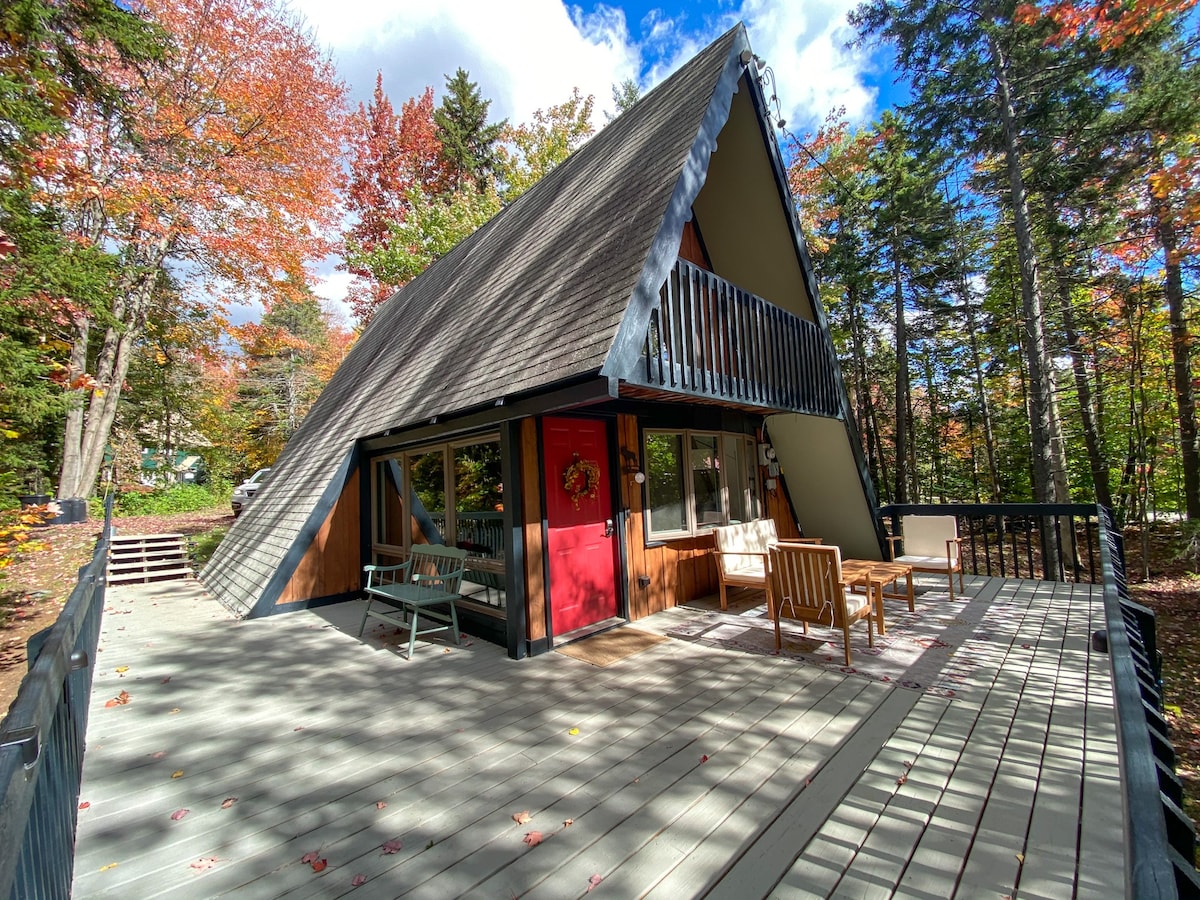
point(529, 54)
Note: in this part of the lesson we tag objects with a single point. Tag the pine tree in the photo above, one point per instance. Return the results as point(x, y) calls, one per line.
point(468, 141)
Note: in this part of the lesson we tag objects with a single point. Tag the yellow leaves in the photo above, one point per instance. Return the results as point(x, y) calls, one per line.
point(573, 732)
point(121, 670)
point(111, 865)
point(178, 773)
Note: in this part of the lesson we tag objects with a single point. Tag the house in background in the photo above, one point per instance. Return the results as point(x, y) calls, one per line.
point(630, 354)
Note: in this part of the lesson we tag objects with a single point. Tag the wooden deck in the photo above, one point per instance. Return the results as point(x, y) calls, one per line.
point(685, 770)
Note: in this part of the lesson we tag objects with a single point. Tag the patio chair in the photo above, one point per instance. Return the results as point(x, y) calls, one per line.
point(931, 544)
point(806, 583)
point(399, 595)
point(741, 552)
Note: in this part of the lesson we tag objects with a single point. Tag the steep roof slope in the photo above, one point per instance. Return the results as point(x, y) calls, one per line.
point(533, 298)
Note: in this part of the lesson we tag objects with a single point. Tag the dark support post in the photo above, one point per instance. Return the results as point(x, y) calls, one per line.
point(514, 516)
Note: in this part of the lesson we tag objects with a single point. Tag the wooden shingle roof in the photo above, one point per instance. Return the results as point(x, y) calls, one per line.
point(533, 299)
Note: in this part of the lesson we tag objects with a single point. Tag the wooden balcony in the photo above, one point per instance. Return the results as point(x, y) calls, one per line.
point(702, 766)
point(709, 338)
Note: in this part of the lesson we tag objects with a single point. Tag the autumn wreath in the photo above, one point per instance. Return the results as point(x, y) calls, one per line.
point(581, 479)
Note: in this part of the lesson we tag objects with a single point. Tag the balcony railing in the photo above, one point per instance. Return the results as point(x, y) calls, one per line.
point(41, 743)
point(710, 338)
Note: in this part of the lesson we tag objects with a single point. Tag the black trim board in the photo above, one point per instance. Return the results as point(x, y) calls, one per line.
point(626, 347)
point(291, 560)
point(566, 397)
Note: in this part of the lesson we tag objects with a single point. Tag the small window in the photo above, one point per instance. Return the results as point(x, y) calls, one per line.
point(696, 481)
point(665, 492)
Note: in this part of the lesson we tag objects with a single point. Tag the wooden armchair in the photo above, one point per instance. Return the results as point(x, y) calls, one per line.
point(931, 544)
point(742, 553)
point(806, 583)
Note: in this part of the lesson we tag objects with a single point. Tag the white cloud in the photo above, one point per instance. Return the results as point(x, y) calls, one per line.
point(529, 54)
point(525, 55)
point(805, 46)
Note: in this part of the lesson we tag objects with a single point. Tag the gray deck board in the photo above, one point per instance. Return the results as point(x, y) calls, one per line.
point(309, 727)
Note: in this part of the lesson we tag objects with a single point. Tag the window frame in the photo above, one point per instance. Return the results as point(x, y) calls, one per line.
point(752, 497)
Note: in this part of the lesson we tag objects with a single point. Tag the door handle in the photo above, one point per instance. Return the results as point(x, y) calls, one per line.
point(608, 528)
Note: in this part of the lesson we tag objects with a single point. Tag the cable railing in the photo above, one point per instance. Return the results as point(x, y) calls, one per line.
point(42, 742)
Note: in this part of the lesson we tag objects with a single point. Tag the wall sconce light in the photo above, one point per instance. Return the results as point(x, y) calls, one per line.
point(639, 477)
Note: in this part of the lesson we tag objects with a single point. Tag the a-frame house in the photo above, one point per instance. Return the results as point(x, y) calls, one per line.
point(581, 390)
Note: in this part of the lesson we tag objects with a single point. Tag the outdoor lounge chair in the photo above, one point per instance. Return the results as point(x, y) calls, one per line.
point(931, 544)
point(806, 583)
point(742, 553)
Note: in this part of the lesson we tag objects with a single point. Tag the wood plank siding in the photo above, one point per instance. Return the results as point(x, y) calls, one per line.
point(332, 564)
point(535, 554)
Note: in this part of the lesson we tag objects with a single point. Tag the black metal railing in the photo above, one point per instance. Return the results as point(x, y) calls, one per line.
point(1160, 840)
point(710, 338)
point(1009, 540)
point(42, 740)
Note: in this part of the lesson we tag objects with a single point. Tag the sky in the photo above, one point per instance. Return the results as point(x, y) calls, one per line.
point(527, 55)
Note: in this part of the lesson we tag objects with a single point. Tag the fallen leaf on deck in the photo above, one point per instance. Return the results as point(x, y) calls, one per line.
point(1021, 858)
point(121, 669)
point(392, 846)
point(320, 865)
point(807, 782)
point(902, 779)
point(379, 804)
point(567, 823)
point(704, 758)
point(358, 880)
point(573, 731)
point(204, 862)
point(310, 857)
point(908, 764)
point(172, 712)
point(298, 728)
point(593, 881)
point(179, 814)
point(120, 700)
point(178, 773)
point(165, 680)
point(228, 802)
point(84, 805)
point(109, 866)
point(522, 817)
point(447, 650)
point(533, 838)
point(159, 755)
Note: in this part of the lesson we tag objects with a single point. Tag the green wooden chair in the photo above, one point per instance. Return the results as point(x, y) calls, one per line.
point(399, 595)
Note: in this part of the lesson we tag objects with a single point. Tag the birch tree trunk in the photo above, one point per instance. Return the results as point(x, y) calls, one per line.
point(86, 433)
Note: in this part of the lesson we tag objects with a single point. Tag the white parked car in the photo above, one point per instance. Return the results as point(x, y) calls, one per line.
point(244, 492)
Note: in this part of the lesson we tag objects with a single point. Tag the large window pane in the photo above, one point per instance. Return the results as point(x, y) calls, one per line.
point(478, 495)
point(389, 505)
point(665, 483)
point(427, 478)
point(706, 480)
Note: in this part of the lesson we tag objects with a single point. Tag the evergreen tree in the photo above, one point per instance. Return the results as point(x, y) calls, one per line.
point(468, 141)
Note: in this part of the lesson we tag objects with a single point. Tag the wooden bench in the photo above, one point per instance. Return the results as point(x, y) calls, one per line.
point(431, 576)
point(742, 553)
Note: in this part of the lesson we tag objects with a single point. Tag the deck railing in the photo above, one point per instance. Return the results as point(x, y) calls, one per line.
point(1160, 840)
point(1009, 539)
point(710, 338)
point(42, 739)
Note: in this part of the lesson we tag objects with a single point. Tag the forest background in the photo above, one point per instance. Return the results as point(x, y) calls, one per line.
point(1008, 258)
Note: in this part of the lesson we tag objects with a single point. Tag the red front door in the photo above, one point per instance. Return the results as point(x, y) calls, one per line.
point(582, 542)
